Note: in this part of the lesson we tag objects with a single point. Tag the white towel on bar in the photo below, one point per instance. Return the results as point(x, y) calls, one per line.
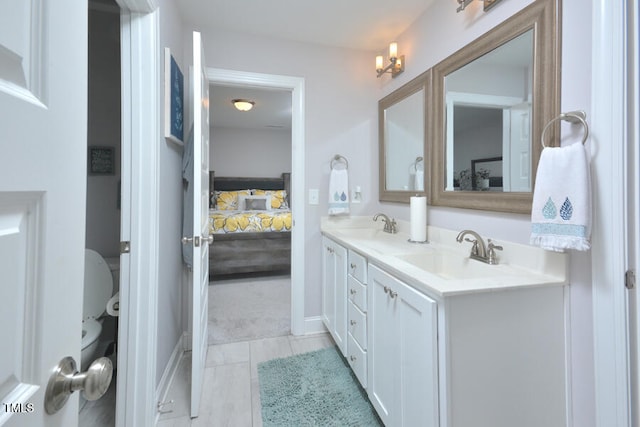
point(561, 210)
point(339, 192)
point(418, 178)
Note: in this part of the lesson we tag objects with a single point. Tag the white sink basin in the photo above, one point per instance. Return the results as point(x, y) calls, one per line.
point(380, 241)
point(451, 266)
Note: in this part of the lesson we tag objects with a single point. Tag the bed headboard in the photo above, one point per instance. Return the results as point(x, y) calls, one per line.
point(226, 183)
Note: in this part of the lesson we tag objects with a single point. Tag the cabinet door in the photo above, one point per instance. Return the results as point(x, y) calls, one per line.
point(382, 350)
point(334, 292)
point(328, 285)
point(418, 365)
point(402, 349)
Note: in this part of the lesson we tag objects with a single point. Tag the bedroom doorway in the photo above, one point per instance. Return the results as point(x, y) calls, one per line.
point(278, 297)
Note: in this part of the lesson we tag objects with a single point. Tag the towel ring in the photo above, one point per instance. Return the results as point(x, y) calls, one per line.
point(339, 158)
point(572, 117)
point(415, 164)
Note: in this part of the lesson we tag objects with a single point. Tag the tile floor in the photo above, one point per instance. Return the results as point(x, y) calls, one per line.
point(231, 393)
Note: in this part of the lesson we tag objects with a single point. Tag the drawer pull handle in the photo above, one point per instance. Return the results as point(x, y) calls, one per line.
point(353, 322)
point(353, 291)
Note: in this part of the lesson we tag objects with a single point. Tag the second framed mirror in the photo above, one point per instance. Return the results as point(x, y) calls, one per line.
point(402, 129)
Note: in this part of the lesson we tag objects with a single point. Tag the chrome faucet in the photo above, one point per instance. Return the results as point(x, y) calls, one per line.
point(389, 224)
point(479, 251)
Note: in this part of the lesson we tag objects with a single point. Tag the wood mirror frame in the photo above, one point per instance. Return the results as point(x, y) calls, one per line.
point(542, 17)
point(423, 81)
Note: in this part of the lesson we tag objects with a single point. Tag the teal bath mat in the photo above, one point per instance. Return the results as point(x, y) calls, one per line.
point(313, 389)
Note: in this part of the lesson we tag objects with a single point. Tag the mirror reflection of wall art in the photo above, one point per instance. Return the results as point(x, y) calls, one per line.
point(101, 161)
point(173, 99)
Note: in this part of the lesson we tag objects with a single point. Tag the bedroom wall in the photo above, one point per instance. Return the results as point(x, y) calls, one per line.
point(103, 215)
point(171, 322)
point(250, 152)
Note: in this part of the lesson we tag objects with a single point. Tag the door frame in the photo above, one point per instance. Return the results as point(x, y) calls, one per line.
point(611, 145)
point(296, 86)
point(137, 341)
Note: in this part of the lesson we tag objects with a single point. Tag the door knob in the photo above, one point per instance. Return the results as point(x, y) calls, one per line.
point(66, 379)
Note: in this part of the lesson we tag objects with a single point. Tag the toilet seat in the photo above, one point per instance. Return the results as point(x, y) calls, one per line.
point(91, 329)
point(98, 285)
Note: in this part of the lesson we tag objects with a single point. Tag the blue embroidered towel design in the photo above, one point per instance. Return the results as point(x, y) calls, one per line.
point(339, 192)
point(561, 210)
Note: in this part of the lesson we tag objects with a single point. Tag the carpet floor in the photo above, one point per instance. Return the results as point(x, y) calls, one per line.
point(248, 309)
point(313, 389)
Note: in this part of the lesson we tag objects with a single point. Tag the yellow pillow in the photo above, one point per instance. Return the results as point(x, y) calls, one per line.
point(278, 198)
point(228, 200)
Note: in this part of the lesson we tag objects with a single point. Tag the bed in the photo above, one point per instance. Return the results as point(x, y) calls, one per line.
point(254, 240)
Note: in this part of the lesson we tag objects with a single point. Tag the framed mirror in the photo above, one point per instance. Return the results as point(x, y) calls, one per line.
point(402, 125)
point(491, 100)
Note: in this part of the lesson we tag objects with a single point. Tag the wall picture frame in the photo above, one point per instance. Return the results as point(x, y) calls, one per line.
point(101, 161)
point(173, 99)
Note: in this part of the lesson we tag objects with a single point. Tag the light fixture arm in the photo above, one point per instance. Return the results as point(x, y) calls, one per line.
point(395, 67)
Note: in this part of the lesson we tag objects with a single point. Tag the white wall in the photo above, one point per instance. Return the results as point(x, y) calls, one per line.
point(103, 215)
point(171, 322)
point(440, 32)
point(250, 152)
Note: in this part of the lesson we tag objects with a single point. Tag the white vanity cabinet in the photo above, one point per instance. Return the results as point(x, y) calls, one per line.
point(334, 291)
point(357, 316)
point(402, 352)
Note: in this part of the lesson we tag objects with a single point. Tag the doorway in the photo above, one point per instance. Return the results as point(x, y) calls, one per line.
point(250, 281)
point(295, 85)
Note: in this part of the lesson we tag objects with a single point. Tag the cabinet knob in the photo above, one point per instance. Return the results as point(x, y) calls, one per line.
point(392, 294)
point(353, 266)
point(352, 358)
point(353, 291)
point(353, 322)
point(386, 289)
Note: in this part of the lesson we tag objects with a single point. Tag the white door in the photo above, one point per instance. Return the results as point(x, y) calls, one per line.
point(517, 150)
point(200, 273)
point(43, 141)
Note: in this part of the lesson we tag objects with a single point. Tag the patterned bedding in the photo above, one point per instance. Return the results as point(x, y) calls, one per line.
point(255, 221)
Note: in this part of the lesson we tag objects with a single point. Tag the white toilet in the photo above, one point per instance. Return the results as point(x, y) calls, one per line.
point(98, 288)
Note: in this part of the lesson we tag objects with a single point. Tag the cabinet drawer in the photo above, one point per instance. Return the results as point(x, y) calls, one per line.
point(357, 293)
point(357, 325)
point(358, 266)
point(357, 359)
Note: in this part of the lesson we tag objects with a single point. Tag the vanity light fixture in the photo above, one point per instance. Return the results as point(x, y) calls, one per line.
point(396, 65)
point(243, 104)
point(487, 4)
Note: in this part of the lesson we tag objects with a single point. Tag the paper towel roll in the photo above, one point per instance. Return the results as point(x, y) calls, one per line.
point(418, 219)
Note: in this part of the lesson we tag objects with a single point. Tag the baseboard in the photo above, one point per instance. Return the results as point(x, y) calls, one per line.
point(169, 372)
point(313, 325)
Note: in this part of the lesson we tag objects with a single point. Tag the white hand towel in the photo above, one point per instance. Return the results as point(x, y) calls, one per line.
point(339, 192)
point(561, 210)
point(418, 184)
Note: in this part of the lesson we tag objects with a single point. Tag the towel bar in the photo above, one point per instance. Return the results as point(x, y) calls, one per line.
point(572, 117)
point(339, 158)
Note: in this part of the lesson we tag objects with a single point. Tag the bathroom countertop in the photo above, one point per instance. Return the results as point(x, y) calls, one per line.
point(519, 265)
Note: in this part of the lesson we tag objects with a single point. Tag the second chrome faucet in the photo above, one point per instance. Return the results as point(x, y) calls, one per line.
point(479, 251)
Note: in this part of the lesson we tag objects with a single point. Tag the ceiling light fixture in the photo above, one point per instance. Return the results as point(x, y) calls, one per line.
point(397, 62)
point(243, 104)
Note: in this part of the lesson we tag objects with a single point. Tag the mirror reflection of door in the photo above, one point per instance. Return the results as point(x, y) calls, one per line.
point(489, 117)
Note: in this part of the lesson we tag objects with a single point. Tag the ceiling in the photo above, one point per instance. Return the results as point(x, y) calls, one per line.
point(356, 24)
